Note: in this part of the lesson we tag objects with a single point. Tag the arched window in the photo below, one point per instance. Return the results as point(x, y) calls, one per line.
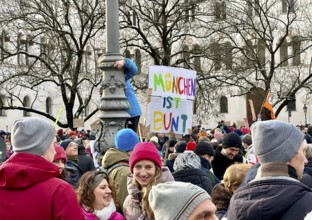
point(138, 60)
point(48, 105)
point(26, 104)
point(223, 104)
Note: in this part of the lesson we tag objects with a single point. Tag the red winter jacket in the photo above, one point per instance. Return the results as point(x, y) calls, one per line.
point(31, 190)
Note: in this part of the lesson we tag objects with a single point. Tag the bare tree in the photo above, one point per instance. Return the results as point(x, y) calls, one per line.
point(263, 44)
point(171, 33)
point(51, 44)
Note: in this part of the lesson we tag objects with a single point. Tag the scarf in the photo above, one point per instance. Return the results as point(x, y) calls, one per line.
point(106, 212)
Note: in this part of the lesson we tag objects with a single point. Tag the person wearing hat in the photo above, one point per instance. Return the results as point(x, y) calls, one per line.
point(30, 186)
point(248, 148)
point(206, 154)
point(85, 161)
point(147, 171)
point(116, 161)
point(60, 160)
point(179, 148)
point(187, 169)
point(276, 192)
point(227, 154)
point(189, 202)
point(71, 149)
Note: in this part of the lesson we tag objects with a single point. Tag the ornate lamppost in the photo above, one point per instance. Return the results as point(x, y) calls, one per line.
point(113, 104)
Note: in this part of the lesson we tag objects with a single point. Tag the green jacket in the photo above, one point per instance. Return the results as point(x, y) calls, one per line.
point(119, 174)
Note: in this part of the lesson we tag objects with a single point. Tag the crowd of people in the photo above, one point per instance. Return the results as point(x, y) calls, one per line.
point(203, 175)
point(247, 173)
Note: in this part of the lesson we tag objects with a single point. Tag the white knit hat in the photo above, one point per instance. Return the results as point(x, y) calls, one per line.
point(184, 196)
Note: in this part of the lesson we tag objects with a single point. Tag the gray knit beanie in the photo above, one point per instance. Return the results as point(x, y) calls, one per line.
point(186, 160)
point(32, 135)
point(185, 197)
point(275, 141)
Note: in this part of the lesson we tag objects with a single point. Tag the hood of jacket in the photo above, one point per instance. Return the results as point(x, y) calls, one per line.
point(265, 199)
point(23, 170)
point(113, 156)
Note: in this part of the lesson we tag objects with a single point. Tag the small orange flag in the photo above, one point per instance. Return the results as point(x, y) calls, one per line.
point(268, 105)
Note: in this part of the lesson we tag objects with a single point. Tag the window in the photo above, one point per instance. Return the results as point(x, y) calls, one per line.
point(87, 58)
point(2, 111)
point(223, 104)
point(2, 46)
point(132, 18)
point(223, 10)
point(249, 53)
point(138, 60)
point(217, 10)
point(228, 59)
point(296, 44)
point(197, 62)
point(48, 105)
point(288, 6)
point(26, 104)
point(261, 52)
point(21, 47)
point(253, 8)
point(249, 8)
point(186, 56)
point(284, 53)
point(220, 10)
point(216, 51)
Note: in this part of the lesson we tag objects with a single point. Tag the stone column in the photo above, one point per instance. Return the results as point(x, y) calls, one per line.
point(113, 104)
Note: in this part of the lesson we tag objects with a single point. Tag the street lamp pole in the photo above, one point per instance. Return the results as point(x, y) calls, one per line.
point(113, 104)
point(305, 110)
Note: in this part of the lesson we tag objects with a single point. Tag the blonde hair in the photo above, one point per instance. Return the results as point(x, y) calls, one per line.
point(308, 151)
point(144, 202)
point(234, 176)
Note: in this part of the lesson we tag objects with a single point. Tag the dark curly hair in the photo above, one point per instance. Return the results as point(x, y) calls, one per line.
point(85, 190)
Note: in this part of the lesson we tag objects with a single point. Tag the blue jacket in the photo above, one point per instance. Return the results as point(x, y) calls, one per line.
point(130, 70)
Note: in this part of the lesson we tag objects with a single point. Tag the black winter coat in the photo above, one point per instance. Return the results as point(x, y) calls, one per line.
point(195, 176)
point(278, 198)
point(220, 163)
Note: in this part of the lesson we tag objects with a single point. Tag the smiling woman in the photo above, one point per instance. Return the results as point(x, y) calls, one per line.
point(97, 197)
point(147, 171)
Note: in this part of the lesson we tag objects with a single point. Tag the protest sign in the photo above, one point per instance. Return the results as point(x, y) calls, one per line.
point(170, 105)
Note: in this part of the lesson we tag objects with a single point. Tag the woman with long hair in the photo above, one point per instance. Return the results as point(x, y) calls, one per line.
point(147, 171)
point(97, 197)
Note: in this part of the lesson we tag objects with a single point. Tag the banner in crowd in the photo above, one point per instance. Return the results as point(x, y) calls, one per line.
point(170, 104)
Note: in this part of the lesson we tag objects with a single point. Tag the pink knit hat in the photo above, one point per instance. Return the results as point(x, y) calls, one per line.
point(144, 151)
point(60, 153)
